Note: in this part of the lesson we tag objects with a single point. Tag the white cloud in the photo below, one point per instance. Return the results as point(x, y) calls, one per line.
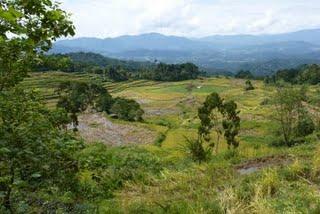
point(192, 18)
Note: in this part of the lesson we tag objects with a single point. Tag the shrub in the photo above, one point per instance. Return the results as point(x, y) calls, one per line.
point(305, 126)
point(249, 86)
point(162, 137)
point(197, 150)
point(127, 109)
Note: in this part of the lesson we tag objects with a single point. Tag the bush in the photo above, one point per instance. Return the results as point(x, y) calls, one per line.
point(197, 151)
point(249, 86)
point(305, 126)
point(162, 137)
point(127, 109)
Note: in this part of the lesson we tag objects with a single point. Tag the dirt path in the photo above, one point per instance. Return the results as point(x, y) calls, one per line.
point(95, 127)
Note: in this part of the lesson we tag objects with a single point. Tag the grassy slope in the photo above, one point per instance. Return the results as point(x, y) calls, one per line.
point(185, 187)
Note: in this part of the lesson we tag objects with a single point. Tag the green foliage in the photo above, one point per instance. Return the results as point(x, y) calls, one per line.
point(310, 74)
point(55, 63)
point(196, 150)
point(59, 118)
point(289, 113)
point(88, 62)
point(116, 74)
point(103, 103)
point(27, 27)
point(249, 86)
point(14, 63)
point(127, 109)
point(231, 124)
point(105, 169)
point(170, 72)
point(222, 117)
point(159, 140)
point(34, 154)
point(230, 120)
point(305, 126)
point(307, 74)
point(76, 97)
point(117, 70)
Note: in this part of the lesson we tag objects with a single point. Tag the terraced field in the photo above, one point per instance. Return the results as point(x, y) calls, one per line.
point(239, 182)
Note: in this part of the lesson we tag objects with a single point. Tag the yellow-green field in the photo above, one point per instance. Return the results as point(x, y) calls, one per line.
point(187, 187)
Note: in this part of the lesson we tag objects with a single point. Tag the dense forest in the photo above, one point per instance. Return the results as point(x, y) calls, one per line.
point(85, 62)
point(305, 74)
point(116, 70)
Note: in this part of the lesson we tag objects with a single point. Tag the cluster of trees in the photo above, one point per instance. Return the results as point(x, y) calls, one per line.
point(170, 72)
point(117, 70)
point(220, 116)
point(76, 97)
point(306, 74)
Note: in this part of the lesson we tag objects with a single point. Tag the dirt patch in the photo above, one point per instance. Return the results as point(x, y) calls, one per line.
point(160, 111)
point(254, 165)
point(95, 127)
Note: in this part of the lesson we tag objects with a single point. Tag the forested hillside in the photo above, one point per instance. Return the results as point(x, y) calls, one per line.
point(117, 70)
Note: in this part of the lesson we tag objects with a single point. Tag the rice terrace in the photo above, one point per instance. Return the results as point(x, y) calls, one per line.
point(159, 107)
point(257, 172)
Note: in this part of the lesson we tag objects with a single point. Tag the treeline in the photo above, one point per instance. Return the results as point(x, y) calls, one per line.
point(117, 70)
point(170, 72)
point(306, 74)
point(85, 62)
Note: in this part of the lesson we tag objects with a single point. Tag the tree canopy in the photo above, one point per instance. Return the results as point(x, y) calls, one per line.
point(27, 27)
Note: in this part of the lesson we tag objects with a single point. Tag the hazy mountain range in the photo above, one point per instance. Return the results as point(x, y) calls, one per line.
point(261, 54)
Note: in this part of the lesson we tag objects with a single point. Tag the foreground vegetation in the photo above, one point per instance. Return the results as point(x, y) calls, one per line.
point(261, 175)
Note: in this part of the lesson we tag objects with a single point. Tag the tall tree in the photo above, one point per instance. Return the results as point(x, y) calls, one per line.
point(33, 152)
point(208, 114)
point(27, 28)
point(288, 104)
point(76, 97)
point(220, 116)
point(30, 146)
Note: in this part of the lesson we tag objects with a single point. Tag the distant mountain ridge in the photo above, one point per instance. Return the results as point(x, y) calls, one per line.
point(229, 53)
point(310, 36)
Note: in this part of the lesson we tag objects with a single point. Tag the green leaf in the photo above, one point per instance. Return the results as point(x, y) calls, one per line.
point(36, 175)
point(4, 150)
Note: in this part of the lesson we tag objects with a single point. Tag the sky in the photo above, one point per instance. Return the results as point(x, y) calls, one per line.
point(191, 18)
